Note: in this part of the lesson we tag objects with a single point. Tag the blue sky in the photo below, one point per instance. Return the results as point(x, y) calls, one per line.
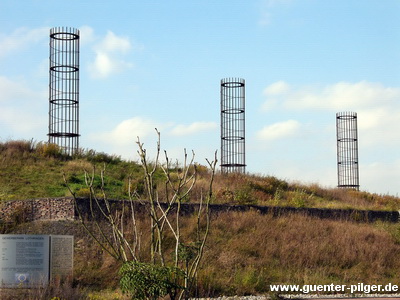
point(147, 64)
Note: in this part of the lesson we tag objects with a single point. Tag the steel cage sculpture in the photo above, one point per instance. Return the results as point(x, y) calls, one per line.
point(233, 125)
point(347, 150)
point(64, 89)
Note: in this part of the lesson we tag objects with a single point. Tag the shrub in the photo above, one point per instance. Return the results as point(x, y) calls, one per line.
point(83, 192)
point(225, 196)
point(299, 198)
point(13, 148)
point(49, 150)
point(149, 281)
point(244, 196)
point(100, 157)
point(268, 185)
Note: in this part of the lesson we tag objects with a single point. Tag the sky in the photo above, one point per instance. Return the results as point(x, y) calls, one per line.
point(158, 64)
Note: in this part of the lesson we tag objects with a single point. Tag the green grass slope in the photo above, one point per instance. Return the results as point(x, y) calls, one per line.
point(29, 170)
point(34, 170)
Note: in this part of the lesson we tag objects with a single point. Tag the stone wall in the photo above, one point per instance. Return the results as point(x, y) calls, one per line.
point(38, 209)
point(64, 209)
point(352, 215)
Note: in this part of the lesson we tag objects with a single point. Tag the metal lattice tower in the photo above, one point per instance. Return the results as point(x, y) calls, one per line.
point(64, 89)
point(233, 125)
point(347, 150)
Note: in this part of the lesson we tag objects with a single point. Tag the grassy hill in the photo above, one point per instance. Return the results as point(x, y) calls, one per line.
point(32, 170)
point(246, 252)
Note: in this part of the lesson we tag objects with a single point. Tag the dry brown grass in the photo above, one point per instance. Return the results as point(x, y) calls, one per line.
point(77, 166)
point(349, 198)
point(16, 148)
point(271, 191)
point(248, 251)
point(55, 290)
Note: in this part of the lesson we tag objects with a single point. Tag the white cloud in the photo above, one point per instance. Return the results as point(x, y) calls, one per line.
point(193, 128)
point(86, 34)
point(104, 65)
point(20, 38)
point(266, 7)
point(11, 91)
point(273, 92)
point(265, 18)
point(113, 43)
point(380, 177)
point(279, 130)
point(109, 52)
point(341, 96)
point(372, 118)
point(377, 106)
point(22, 109)
point(338, 96)
point(276, 88)
point(127, 132)
point(22, 121)
point(123, 137)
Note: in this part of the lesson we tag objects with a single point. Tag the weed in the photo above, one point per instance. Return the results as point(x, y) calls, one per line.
point(244, 196)
point(56, 290)
point(49, 150)
point(278, 196)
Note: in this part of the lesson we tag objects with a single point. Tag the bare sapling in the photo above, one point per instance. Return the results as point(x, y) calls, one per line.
point(166, 188)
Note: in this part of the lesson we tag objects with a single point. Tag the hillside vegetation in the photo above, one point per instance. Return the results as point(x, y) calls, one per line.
point(35, 170)
point(245, 251)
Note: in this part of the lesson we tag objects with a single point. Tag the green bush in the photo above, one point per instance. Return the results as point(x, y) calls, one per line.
point(243, 196)
point(149, 281)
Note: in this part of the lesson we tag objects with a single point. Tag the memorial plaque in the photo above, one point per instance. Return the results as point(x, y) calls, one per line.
point(61, 255)
point(24, 260)
point(32, 260)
